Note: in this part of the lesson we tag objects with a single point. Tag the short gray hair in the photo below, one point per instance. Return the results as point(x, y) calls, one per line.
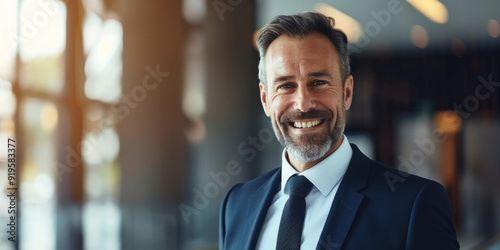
point(299, 26)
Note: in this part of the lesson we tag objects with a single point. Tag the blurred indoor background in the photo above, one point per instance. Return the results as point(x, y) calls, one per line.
point(133, 118)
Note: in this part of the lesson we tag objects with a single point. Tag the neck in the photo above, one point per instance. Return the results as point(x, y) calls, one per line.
point(302, 166)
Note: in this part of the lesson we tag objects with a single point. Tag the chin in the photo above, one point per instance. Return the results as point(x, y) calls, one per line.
point(310, 152)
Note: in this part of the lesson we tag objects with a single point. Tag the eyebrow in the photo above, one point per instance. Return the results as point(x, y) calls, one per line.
point(321, 74)
point(313, 74)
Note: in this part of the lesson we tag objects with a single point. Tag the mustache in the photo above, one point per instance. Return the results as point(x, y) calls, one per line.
point(294, 115)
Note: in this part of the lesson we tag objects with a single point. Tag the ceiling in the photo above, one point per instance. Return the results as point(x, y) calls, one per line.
point(467, 23)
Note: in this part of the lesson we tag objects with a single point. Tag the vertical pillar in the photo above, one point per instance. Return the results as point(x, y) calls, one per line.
point(70, 194)
point(449, 124)
point(153, 147)
point(231, 119)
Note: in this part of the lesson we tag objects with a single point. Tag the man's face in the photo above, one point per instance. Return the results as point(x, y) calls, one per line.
point(304, 96)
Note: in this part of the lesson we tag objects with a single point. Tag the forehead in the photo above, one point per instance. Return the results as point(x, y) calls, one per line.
point(296, 56)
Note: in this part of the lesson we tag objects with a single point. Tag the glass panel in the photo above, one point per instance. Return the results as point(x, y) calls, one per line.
point(100, 147)
point(101, 225)
point(37, 180)
point(7, 100)
point(43, 33)
point(8, 39)
point(103, 68)
point(100, 150)
point(194, 93)
point(92, 31)
point(194, 90)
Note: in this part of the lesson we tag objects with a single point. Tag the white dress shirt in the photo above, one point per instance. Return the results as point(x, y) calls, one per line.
point(325, 177)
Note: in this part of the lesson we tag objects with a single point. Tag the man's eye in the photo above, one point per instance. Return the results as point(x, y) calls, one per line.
point(285, 86)
point(319, 82)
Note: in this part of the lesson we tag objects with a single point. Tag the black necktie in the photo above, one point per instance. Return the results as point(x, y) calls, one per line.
point(292, 220)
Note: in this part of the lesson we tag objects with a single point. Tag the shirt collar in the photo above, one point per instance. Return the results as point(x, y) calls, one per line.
point(326, 174)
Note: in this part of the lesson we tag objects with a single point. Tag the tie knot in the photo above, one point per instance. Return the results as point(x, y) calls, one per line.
point(299, 186)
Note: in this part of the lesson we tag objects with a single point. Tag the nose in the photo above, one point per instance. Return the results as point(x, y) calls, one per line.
point(303, 99)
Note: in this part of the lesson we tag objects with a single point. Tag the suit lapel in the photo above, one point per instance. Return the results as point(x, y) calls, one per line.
point(258, 204)
point(346, 202)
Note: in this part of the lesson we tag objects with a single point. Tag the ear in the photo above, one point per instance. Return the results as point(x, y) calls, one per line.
point(348, 91)
point(263, 98)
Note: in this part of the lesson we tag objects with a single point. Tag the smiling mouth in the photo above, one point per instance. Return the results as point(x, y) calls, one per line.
point(308, 124)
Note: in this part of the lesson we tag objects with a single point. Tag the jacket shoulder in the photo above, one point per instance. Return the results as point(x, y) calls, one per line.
point(256, 183)
point(397, 180)
point(365, 173)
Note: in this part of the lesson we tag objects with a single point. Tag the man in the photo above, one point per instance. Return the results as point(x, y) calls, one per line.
point(327, 194)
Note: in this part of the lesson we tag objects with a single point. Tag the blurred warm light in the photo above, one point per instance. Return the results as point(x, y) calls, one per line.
point(110, 145)
point(107, 46)
point(447, 121)
point(27, 176)
point(8, 44)
point(7, 99)
point(7, 127)
point(92, 29)
point(432, 9)
point(351, 27)
point(100, 146)
point(44, 186)
point(90, 142)
point(103, 67)
point(197, 131)
point(196, 107)
point(254, 39)
point(493, 28)
point(419, 36)
point(101, 180)
point(194, 10)
point(43, 30)
point(458, 48)
point(194, 92)
point(43, 33)
point(48, 116)
point(43, 73)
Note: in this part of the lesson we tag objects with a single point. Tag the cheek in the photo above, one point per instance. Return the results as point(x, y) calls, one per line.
point(331, 102)
point(277, 108)
point(276, 114)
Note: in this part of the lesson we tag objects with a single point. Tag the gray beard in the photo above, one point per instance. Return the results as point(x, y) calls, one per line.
point(312, 150)
point(309, 152)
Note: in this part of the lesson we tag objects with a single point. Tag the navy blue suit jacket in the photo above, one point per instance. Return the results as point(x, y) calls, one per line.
point(376, 207)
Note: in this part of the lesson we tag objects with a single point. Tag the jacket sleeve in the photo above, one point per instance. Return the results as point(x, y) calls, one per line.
point(222, 218)
point(431, 221)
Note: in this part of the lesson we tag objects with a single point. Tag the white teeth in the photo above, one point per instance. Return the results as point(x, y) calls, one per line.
point(306, 124)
